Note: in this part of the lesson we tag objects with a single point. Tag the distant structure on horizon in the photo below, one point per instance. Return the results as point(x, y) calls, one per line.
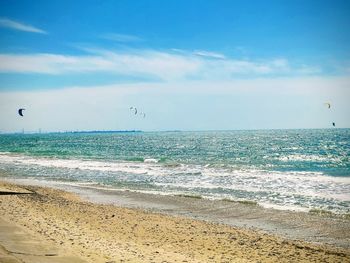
point(39, 131)
point(112, 131)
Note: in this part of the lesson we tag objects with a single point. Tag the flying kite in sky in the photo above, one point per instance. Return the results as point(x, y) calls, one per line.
point(20, 112)
point(135, 110)
point(328, 105)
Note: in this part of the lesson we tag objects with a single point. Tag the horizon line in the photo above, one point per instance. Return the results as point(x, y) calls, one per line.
point(149, 131)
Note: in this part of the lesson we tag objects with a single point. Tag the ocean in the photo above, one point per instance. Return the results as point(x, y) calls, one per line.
point(282, 169)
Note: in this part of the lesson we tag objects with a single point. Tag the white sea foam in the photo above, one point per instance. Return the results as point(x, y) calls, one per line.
point(150, 160)
point(5, 153)
point(308, 158)
point(284, 207)
point(270, 188)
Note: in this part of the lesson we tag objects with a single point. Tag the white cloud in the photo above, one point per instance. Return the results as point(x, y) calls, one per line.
point(280, 63)
point(209, 54)
point(4, 22)
point(121, 37)
point(36, 63)
point(229, 68)
point(305, 69)
point(157, 64)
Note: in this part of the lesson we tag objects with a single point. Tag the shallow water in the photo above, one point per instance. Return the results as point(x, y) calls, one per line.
point(285, 169)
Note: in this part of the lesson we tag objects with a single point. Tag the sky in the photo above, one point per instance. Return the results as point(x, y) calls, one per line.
point(188, 65)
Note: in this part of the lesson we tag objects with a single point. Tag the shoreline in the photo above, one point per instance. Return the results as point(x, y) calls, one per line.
point(112, 233)
point(317, 228)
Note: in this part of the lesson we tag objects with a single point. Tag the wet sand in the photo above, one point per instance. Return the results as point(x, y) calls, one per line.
point(81, 230)
point(315, 228)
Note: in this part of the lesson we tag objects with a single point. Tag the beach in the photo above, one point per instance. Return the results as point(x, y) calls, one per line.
point(78, 230)
point(174, 131)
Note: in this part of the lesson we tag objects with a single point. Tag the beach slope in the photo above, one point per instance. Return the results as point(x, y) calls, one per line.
point(80, 231)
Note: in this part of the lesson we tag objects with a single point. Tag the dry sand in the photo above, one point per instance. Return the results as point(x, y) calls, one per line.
point(70, 229)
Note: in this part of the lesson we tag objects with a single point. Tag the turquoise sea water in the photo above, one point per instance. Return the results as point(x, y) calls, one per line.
point(286, 169)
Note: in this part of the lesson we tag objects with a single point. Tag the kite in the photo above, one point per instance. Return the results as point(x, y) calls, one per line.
point(328, 105)
point(20, 112)
point(135, 110)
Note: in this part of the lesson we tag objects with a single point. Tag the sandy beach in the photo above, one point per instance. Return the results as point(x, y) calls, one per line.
point(71, 229)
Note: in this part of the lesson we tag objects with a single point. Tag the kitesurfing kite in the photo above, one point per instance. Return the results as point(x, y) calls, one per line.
point(20, 112)
point(328, 105)
point(135, 110)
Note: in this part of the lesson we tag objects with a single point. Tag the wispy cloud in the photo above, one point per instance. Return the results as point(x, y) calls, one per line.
point(121, 37)
point(149, 63)
point(4, 22)
point(209, 54)
point(231, 67)
point(305, 69)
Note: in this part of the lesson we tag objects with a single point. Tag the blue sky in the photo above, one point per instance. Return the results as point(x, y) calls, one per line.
point(189, 65)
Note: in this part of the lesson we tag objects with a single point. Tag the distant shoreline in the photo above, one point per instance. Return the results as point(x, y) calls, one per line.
point(73, 132)
point(113, 131)
point(150, 131)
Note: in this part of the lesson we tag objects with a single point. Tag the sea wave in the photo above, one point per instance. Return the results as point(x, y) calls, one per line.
point(308, 158)
point(275, 188)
